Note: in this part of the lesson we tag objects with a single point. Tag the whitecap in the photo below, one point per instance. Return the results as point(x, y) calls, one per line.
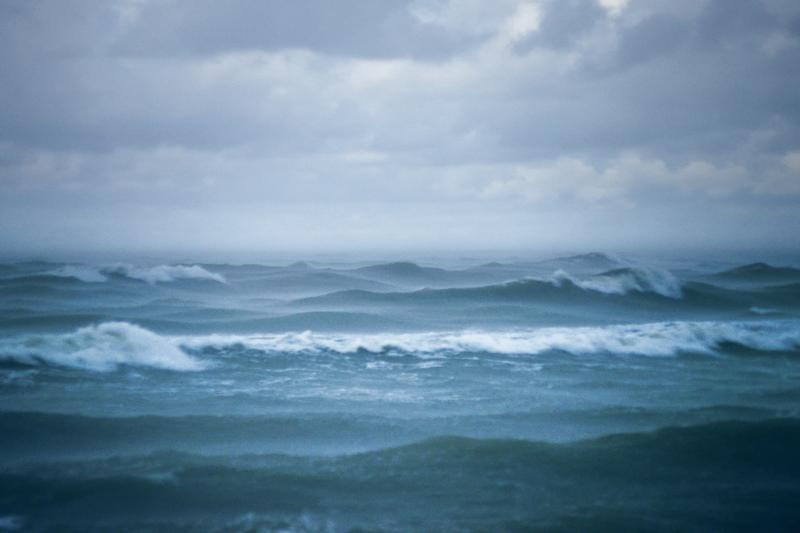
point(623, 281)
point(82, 272)
point(163, 273)
point(652, 339)
point(149, 274)
point(102, 347)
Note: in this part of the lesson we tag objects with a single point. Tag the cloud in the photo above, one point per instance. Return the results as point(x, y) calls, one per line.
point(205, 106)
point(354, 28)
point(614, 7)
point(624, 180)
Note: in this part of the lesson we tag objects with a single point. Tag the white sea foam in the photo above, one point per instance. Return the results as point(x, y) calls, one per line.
point(150, 274)
point(163, 273)
point(103, 347)
point(106, 346)
point(81, 272)
point(623, 281)
point(654, 339)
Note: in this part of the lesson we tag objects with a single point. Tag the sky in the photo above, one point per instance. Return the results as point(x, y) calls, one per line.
point(188, 126)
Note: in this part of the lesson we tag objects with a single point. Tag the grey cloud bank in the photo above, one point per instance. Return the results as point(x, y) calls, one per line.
point(174, 125)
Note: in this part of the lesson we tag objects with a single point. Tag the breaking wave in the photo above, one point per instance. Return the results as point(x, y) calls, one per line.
point(107, 346)
point(81, 272)
point(625, 280)
point(103, 347)
point(654, 339)
point(165, 273)
point(152, 275)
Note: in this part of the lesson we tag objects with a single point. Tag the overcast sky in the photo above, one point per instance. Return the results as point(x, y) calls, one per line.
point(191, 125)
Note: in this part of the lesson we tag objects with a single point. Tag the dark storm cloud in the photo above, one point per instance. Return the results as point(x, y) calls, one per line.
point(81, 74)
point(675, 83)
point(97, 76)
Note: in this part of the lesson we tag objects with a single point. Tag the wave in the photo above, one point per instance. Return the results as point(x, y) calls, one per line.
point(49, 435)
point(28, 434)
point(412, 275)
point(151, 275)
point(759, 272)
point(725, 476)
point(589, 262)
point(107, 346)
point(653, 339)
point(48, 323)
point(623, 287)
point(406, 271)
point(625, 280)
point(102, 347)
point(81, 272)
point(165, 273)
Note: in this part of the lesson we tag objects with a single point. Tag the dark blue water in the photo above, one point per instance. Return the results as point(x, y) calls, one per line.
point(586, 393)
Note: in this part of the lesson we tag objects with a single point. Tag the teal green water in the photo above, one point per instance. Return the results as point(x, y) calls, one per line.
point(583, 394)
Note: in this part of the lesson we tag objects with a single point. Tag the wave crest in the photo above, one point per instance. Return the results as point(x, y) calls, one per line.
point(164, 273)
point(107, 346)
point(654, 339)
point(81, 272)
point(103, 347)
point(625, 280)
point(151, 275)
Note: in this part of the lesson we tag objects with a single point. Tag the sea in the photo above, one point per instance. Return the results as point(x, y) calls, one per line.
point(585, 392)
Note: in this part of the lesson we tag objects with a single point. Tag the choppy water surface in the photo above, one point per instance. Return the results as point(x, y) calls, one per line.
point(582, 393)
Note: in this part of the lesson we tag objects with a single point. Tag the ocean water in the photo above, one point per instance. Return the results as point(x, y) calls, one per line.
point(583, 393)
